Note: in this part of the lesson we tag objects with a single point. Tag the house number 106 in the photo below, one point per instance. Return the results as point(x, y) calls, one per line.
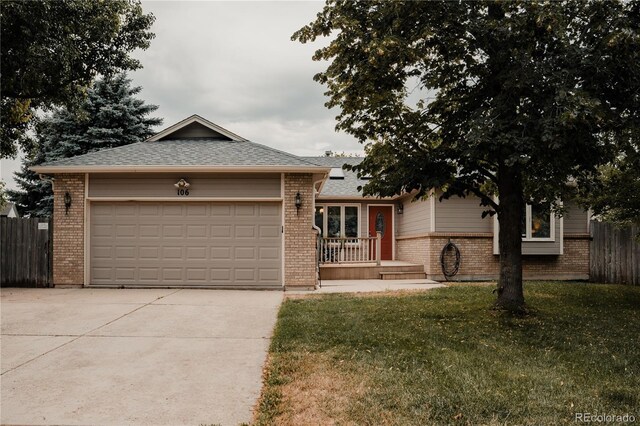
point(183, 192)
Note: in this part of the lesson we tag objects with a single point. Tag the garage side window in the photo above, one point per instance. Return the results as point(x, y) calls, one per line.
point(338, 221)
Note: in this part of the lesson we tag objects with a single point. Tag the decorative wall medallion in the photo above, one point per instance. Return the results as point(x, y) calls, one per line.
point(183, 187)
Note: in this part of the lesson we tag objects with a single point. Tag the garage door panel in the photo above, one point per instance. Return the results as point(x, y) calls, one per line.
point(220, 210)
point(220, 274)
point(126, 252)
point(221, 231)
point(148, 252)
point(170, 275)
point(188, 244)
point(172, 253)
point(149, 274)
point(245, 231)
point(172, 209)
point(172, 231)
point(196, 253)
point(198, 210)
point(196, 274)
point(197, 231)
point(245, 210)
point(243, 275)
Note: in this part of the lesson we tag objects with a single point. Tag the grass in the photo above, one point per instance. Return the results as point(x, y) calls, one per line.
point(444, 357)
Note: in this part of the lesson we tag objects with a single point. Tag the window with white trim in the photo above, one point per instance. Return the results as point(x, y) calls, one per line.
point(338, 221)
point(537, 224)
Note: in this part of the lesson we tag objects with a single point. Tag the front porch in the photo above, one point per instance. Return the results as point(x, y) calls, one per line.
point(386, 270)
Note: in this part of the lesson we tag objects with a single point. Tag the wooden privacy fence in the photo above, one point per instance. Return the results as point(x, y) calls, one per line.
point(25, 252)
point(614, 254)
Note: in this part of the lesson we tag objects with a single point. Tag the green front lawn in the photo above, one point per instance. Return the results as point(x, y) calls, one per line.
point(443, 357)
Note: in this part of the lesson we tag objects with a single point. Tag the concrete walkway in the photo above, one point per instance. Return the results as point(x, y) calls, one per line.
point(98, 356)
point(368, 286)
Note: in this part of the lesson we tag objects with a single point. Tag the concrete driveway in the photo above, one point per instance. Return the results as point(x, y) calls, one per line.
point(109, 356)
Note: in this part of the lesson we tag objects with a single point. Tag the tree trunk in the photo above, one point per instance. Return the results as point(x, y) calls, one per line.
point(510, 294)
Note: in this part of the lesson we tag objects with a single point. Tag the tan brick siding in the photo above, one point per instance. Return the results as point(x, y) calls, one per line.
point(479, 263)
point(68, 231)
point(299, 235)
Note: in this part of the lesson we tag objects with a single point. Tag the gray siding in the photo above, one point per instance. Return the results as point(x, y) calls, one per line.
point(575, 219)
point(462, 215)
point(146, 185)
point(194, 130)
point(416, 218)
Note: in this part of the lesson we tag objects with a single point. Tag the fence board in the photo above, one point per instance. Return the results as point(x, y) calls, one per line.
point(25, 252)
point(614, 254)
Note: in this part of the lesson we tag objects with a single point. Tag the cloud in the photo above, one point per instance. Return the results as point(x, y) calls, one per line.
point(235, 64)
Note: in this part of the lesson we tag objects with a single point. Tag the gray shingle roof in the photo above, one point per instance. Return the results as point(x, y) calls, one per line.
point(347, 187)
point(186, 152)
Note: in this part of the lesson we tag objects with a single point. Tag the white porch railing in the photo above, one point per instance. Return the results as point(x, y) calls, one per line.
point(350, 250)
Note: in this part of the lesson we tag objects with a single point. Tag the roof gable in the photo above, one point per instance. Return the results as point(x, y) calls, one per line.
point(195, 127)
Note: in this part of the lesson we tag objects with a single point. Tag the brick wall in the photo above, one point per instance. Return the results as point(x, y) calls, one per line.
point(68, 231)
point(299, 235)
point(479, 263)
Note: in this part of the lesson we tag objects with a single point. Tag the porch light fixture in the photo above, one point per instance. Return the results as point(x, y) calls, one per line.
point(400, 208)
point(67, 202)
point(298, 202)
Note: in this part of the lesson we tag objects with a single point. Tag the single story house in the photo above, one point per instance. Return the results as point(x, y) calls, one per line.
point(199, 206)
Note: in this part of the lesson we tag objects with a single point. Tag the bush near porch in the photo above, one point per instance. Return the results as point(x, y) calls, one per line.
point(443, 357)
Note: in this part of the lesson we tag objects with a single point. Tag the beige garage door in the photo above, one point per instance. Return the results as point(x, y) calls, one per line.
point(186, 244)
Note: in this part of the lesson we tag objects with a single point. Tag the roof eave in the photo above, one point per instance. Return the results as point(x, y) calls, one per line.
point(161, 169)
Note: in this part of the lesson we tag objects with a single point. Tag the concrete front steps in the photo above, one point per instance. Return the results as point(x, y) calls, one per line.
point(388, 270)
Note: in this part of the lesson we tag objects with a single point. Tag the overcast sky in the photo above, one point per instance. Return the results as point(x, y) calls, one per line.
point(234, 64)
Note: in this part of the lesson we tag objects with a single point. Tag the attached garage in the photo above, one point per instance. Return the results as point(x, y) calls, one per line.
point(173, 244)
point(193, 206)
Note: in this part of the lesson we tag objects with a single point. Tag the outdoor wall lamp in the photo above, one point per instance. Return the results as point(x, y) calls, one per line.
point(298, 202)
point(67, 202)
point(400, 208)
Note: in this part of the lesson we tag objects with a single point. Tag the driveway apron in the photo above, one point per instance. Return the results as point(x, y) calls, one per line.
point(126, 356)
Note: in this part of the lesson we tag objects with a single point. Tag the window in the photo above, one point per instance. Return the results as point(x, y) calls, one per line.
point(537, 223)
point(337, 221)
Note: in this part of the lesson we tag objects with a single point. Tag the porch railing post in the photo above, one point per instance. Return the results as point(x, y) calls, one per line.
point(378, 248)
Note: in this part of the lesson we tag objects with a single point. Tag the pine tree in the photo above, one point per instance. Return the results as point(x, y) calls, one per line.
point(111, 116)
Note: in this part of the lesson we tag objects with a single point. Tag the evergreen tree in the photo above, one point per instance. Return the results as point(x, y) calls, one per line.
point(110, 116)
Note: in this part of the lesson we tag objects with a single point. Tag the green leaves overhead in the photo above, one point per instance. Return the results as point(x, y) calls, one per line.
point(544, 87)
point(52, 51)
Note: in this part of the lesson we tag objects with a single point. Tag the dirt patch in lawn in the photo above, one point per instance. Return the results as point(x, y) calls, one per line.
point(311, 390)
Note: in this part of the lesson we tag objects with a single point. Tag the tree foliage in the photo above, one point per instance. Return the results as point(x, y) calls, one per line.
point(110, 116)
point(52, 50)
point(518, 98)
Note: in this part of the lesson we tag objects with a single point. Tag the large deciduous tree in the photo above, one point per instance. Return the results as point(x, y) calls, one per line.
point(110, 116)
point(518, 98)
point(52, 50)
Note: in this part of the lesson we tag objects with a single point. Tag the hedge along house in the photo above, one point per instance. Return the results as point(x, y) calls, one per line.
point(195, 205)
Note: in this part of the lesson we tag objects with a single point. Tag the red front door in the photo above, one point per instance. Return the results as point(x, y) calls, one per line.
point(381, 219)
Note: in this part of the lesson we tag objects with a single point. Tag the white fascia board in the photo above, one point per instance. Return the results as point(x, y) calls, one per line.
point(175, 169)
point(195, 119)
